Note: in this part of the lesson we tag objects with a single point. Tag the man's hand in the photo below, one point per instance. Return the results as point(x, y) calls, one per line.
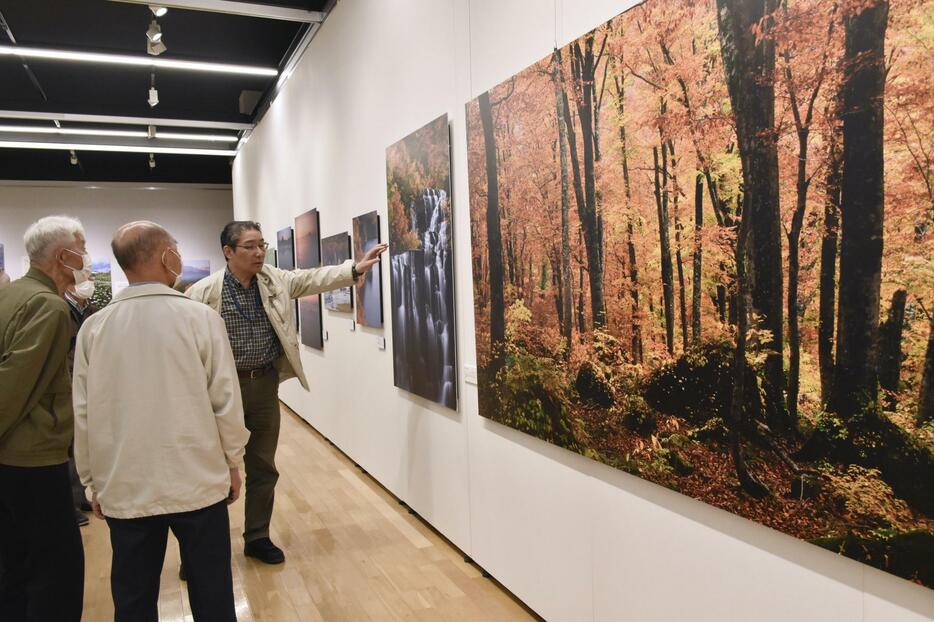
point(372, 256)
point(96, 507)
point(235, 484)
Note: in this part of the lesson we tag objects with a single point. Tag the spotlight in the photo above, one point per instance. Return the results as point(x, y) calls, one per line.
point(157, 10)
point(74, 158)
point(154, 49)
point(152, 161)
point(151, 131)
point(154, 33)
point(153, 93)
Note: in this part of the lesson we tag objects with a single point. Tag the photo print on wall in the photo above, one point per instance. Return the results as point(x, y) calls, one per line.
point(418, 176)
point(308, 255)
point(285, 258)
point(620, 191)
point(103, 288)
point(366, 235)
point(335, 250)
point(193, 270)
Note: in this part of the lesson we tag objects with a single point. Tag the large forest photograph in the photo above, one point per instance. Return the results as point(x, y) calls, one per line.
point(703, 253)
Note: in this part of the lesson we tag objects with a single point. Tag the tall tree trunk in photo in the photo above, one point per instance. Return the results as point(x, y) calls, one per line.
point(698, 259)
point(890, 347)
point(661, 205)
point(679, 262)
point(828, 266)
point(565, 277)
point(584, 68)
point(749, 63)
point(926, 399)
point(803, 181)
point(494, 240)
point(636, 345)
point(581, 318)
point(749, 483)
point(855, 384)
point(794, 245)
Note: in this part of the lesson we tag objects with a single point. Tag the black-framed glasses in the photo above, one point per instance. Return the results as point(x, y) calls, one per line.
point(252, 247)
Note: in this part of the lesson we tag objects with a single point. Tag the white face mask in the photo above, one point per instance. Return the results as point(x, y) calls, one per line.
point(84, 286)
point(178, 276)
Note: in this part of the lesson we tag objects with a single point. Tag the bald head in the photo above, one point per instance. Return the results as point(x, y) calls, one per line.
point(140, 249)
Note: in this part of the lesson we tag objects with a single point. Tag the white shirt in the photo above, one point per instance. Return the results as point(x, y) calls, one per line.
point(158, 412)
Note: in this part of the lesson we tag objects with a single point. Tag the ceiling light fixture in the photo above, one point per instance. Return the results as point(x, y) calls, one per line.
point(157, 10)
point(15, 144)
point(152, 161)
point(154, 33)
point(150, 133)
point(28, 129)
point(153, 93)
point(73, 158)
point(155, 49)
point(140, 61)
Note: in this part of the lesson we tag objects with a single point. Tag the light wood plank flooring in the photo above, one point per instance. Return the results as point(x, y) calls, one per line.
point(352, 553)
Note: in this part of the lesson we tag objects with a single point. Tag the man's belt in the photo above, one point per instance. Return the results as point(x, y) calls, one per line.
point(250, 374)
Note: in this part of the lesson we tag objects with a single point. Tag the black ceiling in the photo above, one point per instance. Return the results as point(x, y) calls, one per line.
point(84, 88)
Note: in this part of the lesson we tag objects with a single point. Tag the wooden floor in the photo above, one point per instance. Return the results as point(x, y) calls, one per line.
point(352, 553)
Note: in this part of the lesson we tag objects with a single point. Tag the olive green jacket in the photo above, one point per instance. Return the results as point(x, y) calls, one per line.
point(36, 420)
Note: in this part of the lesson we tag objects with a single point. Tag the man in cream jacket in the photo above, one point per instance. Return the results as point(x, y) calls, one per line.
point(159, 432)
point(255, 300)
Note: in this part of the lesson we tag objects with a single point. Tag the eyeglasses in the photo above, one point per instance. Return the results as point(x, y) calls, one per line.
point(252, 247)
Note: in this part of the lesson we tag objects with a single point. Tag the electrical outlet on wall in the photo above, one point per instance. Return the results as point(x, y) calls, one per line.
point(381, 343)
point(470, 374)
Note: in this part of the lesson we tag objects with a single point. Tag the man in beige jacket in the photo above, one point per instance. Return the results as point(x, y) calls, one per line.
point(159, 433)
point(255, 300)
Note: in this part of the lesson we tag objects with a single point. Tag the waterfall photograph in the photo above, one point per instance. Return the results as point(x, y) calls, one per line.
point(703, 254)
point(335, 250)
point(370, 288)
point(418, 177)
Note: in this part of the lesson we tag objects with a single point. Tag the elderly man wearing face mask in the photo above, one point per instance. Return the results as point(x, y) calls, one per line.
point(41, 555)
point(159, 433)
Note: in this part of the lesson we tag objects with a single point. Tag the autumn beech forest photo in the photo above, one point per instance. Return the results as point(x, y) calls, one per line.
point(703, 253)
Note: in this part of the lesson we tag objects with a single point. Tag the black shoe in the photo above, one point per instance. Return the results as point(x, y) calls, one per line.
point(264, 550)
point(181, 572)
point(81, 518)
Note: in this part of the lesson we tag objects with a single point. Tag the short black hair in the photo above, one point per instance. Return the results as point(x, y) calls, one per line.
point(232, 231)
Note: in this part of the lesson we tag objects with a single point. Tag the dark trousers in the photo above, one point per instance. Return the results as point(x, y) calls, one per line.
point(41, 555)
point(139, 551)
point(261, 416)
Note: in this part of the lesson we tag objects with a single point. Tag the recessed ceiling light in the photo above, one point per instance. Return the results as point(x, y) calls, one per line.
point(141, 61)
point(157, 10)
point(154, 33)
point(18, 144)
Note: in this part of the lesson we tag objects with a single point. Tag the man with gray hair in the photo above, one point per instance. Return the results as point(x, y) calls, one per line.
point(41, 555)
point(159, 433)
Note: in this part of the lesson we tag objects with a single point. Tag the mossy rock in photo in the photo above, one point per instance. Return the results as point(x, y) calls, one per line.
point(698, 386)
point(532, 399)
point(593, 386)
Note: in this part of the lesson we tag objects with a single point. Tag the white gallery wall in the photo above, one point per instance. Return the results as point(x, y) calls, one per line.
point(572, 538)
point(194, 214)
